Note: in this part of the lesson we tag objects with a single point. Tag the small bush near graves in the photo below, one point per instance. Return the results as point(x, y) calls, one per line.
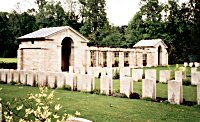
point(186, 82)
point(134, 95)
point(95, 91)
point(67, 87)
point(2, 82)
point(13, 82)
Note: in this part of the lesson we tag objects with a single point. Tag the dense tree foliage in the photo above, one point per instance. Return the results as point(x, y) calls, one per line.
point(178, 25)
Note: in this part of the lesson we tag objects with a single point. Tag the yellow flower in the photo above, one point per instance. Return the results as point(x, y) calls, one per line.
point(1, 89)
point(58, 107)
point(77, 113)
point(56, 116)
point(20, 107)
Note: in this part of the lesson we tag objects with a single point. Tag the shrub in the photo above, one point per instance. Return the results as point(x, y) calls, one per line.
point(186, 82)
point(2, 82)
point(67, 87)
point(13, 82)
point(134, 95)
point(35, 107)
point(95, 91)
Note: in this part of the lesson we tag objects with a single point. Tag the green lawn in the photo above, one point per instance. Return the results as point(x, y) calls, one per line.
point(8, 60)
point(102, 108)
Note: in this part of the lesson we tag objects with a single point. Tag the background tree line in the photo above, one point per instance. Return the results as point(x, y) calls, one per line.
point(178, 25)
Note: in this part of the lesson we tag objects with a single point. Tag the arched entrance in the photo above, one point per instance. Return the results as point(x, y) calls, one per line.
point(159, 55)
point(66, 53)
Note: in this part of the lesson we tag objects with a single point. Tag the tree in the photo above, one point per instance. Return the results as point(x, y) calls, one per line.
point(94, 20)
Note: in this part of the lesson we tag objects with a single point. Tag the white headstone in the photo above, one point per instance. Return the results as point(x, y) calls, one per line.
point(198, 93)
point(9, 76)
point(4, 75)
point(196, 64)
point(60, 80)
point(150, 74)
point(31, 78)
point(185, 64)
point(51, 77)
point(22, 75)
point(183, 69)
point(41, 79)
point(126, 85)
point(191, 64)
point(165, 75)
point(16, 76)
point(69, 80)
point(195, 78)
point(137, 74)
point(106, 85)
point(125, 71)
point(85, 82)
point(148, 89)
point(178, 76)
point(175, 92)
point(193, 70)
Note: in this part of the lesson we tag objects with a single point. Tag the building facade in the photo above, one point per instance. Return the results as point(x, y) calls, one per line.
point(57, 48)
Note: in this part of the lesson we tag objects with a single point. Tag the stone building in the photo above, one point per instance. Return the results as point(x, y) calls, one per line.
point(57, 48)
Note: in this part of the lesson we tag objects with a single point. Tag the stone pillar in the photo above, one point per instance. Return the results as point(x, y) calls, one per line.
point(88, 59)
point(175, 92)
point(59, 48)
point(126, 85)
point(148, 89)
point(19, 59)
point(121, 59)
point(76, 57)
point(96, 58)
point(101, 58)
point(109, 59)
point(131, 59)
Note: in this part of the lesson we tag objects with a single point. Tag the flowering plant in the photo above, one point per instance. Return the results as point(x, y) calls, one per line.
point(35, 107)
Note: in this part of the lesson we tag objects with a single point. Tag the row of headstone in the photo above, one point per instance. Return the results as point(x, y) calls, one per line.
point(191, 64)
point(50, 79)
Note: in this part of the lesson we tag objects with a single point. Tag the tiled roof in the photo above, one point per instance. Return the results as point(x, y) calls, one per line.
point(42, 33)
point(148, 43)
point(45, 32)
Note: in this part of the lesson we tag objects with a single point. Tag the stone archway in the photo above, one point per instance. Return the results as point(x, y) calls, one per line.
point(66, 53)
point(159, 55)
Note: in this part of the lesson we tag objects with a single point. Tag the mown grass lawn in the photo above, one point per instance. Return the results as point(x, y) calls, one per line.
point(8, 60)
point(101, 108)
